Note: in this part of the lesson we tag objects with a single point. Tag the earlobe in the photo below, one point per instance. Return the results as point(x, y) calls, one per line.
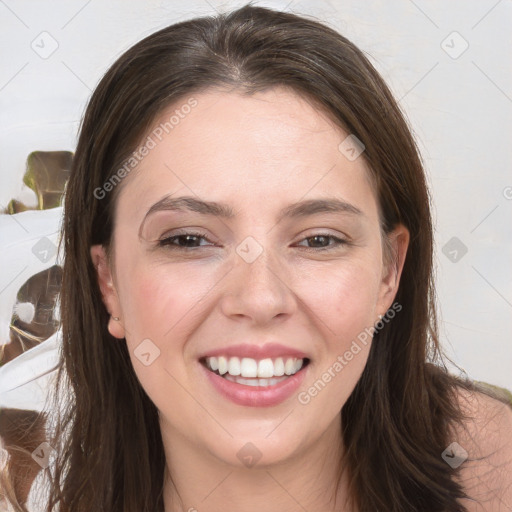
point(108, 290)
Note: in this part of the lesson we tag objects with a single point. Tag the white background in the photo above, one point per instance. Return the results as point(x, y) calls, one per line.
point(460, 110)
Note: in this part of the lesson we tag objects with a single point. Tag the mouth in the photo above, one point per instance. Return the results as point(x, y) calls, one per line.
point(257, 373)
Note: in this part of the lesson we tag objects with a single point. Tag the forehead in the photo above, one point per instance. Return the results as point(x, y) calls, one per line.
point(246, 149)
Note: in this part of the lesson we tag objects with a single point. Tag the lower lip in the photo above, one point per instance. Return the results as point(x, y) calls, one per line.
point(256, 396)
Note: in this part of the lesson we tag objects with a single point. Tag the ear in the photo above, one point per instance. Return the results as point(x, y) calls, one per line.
point(394, 259)
point(108, 290)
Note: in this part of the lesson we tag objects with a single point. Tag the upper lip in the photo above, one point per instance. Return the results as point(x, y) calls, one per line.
point(269, 350)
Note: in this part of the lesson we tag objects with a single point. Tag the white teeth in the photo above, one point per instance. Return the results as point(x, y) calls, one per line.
point(223, 364)
point(251, 368)
point(255, 382)
point(214, 363)
point(265, 368)
point(279, 367)
point(234, 366)
point(289, 366)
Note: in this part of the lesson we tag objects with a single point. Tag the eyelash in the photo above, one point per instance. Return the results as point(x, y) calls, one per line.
point(168, 242)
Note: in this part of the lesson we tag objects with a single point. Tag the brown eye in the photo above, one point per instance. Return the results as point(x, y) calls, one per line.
point(321, 242)
point(184, 241)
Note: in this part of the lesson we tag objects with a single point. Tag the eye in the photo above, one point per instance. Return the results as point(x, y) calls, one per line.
point(190, 240)
point(321, 242)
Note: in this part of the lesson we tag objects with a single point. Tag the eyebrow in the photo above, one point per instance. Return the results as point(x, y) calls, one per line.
point(299, 209)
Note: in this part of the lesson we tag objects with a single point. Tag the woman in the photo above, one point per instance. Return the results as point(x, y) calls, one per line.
point(247, 306)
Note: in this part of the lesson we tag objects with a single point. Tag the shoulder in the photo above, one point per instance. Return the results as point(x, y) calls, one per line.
point(486, 437)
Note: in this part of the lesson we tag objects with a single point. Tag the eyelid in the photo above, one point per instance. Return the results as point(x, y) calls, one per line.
point(312, 232)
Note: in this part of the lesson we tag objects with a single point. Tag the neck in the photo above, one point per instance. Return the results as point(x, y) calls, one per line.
point(196, 481)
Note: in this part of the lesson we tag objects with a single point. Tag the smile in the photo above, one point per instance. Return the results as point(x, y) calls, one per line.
point(253, 382)
point(249, 367)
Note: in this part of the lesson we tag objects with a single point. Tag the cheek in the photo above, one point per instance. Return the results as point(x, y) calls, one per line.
point(343, 297)
point(157, 300)
point(344, 301)
point(164, 303)
point(159, 305)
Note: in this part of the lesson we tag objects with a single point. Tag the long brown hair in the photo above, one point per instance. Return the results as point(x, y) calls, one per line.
point(396, 423)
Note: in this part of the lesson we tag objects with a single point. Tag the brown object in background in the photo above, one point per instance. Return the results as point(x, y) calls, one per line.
point(41, 290)
point(47, 174)
point(22, 432)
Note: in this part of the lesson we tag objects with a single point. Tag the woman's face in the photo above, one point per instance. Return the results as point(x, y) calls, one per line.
point(284, 260)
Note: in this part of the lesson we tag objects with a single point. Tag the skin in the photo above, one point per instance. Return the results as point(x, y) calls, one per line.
point(258, 154)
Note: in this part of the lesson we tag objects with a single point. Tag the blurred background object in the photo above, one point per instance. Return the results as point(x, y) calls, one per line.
point(47, 174)
point(35, 313)
point(29, 351)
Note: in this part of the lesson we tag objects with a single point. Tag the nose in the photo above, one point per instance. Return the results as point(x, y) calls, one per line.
point(258, 292)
